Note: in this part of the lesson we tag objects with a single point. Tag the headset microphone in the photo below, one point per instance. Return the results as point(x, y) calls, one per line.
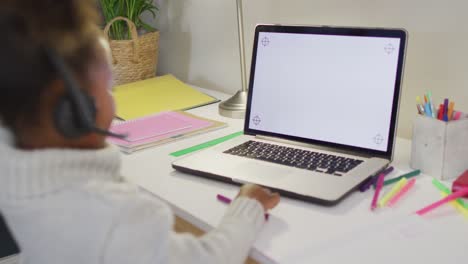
point(109, 134)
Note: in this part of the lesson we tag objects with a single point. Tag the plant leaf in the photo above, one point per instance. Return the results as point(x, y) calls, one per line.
point(132, 9)
point(147, 27)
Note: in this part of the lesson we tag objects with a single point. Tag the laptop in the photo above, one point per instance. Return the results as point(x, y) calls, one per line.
point(321, 116)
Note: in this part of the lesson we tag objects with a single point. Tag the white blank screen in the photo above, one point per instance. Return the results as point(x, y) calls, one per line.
point(331, 88)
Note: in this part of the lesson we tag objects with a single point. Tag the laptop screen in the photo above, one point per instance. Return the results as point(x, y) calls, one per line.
point(335, 86)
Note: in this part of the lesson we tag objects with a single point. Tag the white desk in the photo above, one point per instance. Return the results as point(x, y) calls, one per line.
point(300, 232)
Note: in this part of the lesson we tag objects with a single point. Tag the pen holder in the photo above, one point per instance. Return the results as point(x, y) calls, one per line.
point(439, 148)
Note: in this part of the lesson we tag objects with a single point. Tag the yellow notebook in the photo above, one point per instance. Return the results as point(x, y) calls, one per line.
point(164, 93)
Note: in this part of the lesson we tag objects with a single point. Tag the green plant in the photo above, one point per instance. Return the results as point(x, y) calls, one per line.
point(131, 9)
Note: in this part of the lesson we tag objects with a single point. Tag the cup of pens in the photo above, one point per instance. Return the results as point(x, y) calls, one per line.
point(440, 139)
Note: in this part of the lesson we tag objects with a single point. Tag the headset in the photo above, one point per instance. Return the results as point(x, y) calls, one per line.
point(75, 113)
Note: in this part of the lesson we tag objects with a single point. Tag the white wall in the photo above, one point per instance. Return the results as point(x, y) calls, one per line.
point(199, 41)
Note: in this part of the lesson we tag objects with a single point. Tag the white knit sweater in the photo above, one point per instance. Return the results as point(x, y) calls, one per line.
point(71, 206)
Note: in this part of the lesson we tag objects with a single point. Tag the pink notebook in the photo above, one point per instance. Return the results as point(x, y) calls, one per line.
point(156, 128)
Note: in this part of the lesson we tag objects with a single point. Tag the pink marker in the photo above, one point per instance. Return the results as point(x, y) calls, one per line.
point(447, 199)
point(401, 193)
point(226, 200)
point(457, 115)
point(379, 186)
point(223, 199)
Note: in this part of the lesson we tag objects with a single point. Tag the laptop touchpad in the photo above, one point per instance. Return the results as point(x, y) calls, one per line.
point(261, 173)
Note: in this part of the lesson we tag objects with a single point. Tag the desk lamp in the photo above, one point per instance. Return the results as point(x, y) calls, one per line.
point(235, 106)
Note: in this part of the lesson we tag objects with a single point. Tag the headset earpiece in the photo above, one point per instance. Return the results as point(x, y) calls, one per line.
point(75, 113)
point(68, 121)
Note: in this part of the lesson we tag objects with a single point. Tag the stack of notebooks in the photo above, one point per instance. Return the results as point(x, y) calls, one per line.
point(164, 93)
point(159, 129)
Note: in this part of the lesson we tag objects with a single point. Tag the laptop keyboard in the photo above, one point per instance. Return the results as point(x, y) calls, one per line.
point(304, 159)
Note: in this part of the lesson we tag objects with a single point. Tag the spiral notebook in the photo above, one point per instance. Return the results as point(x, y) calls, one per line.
point(159, 129)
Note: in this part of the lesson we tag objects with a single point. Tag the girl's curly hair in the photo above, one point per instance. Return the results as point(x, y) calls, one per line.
point(67, 26)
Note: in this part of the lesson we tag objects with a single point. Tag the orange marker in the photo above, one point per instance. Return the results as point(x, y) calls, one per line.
point(450, 110)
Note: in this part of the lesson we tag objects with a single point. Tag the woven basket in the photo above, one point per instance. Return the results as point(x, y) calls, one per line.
point(135, 59)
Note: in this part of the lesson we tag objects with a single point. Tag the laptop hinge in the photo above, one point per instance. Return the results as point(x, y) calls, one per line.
point(307, 145)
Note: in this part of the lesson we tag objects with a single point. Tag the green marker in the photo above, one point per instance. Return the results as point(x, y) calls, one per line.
point(407, 176)
point(447, 191)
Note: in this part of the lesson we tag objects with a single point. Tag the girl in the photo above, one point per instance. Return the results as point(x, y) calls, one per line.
point(61, 193)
